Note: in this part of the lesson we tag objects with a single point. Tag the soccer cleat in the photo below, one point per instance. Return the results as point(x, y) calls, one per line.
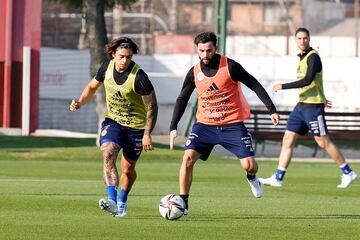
point(108, 205)
point(121, 210)
point(186, 211)
point(256, 187)
point(347, 179)
point(271, 181)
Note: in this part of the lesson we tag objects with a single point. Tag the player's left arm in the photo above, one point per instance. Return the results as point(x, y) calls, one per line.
point(144, 87)
point(152, 112)
point(238, 73)
point(265, 98)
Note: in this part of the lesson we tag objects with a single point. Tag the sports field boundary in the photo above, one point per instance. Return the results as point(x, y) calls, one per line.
point(301, 153)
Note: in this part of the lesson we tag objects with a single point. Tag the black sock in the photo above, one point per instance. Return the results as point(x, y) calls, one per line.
point(185, 197)
point(250, 177)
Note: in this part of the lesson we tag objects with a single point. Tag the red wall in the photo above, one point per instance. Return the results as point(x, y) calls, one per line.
point(25, 31)
point(1, 91)
point(2, 38)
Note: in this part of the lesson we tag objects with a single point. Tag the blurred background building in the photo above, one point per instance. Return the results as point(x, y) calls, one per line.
point(151, 22)
point(260, 37)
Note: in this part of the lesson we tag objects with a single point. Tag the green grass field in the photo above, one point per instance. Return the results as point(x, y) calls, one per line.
point(50, 188)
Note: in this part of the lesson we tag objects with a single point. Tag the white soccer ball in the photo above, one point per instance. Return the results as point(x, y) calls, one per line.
point(171, 207)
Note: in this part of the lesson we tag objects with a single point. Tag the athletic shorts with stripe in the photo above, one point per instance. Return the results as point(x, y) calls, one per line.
point(305, 119)
point(233, 137)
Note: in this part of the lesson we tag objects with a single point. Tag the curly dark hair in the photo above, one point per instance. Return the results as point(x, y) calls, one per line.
point(205, 37)
point(122, 42)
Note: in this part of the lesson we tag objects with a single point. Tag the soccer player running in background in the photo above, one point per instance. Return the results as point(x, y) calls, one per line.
point(308, 113)
point(221, 110)
point(131, 113)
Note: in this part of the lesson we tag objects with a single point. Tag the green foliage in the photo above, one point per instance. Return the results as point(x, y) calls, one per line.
point(52, 193)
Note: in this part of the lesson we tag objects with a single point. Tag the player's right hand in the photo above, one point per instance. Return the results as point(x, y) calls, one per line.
point(277, 87)
point(173, 135)
point(74, 105)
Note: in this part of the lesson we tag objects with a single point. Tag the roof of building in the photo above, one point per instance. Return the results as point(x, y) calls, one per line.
point(343, 28)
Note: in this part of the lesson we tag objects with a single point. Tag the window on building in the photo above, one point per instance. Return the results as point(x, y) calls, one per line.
point(207, 14)
point(273, 15)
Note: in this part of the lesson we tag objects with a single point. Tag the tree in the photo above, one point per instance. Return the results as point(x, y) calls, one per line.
point(97, 36)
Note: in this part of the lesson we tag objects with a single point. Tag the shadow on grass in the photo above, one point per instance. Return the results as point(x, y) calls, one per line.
point(50, 142)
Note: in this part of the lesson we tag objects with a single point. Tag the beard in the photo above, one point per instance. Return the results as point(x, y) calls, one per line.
point(205, 61)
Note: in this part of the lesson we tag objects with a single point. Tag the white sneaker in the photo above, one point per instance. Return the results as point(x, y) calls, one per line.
point(256, 187)
point(347, 179)
point(271, 181)
point(121, 210)
point(108, 205)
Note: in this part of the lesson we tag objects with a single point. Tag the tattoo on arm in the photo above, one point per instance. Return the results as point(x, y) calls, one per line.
point(152, 112)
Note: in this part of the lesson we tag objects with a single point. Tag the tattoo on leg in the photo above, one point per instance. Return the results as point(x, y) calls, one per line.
point(110, 152)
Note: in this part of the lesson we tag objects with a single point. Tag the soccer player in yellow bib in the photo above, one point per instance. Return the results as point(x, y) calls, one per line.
point(308, 114)
point(131, 113)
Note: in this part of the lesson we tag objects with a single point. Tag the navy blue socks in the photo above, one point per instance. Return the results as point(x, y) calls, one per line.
point(123, 195)
point(280, 173)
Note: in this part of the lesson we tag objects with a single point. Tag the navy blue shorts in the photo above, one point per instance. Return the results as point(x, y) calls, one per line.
point(233, 137)
point(305, 119)
point(129, 139)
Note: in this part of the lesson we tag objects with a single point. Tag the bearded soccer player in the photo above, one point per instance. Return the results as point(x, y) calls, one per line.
point(131, 113)
point(221, 110)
